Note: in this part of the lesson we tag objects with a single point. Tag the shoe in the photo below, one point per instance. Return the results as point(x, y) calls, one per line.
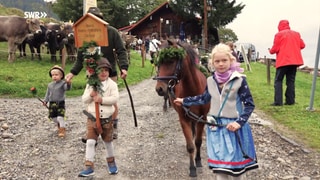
point(112, 167)
point(275, 104)
point(62, 132)
point(87, 172)
point(289, 104)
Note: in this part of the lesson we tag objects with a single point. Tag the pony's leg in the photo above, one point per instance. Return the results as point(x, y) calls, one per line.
point(187, 131)
point(198, 143)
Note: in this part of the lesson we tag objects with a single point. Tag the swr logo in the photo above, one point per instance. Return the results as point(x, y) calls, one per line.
point(35, 14)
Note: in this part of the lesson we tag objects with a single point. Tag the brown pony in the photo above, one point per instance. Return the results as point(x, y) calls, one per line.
point(179, 76)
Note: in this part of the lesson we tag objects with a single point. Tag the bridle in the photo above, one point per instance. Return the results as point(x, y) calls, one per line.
point(171, 80)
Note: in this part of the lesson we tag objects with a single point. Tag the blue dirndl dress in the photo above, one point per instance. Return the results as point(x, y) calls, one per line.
point(231, 153)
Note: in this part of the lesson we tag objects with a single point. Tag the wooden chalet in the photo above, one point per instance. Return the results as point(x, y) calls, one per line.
point(165, 23)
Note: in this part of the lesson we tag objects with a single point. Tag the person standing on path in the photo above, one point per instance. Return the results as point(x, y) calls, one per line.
point(115, 43)
point(230, 147)
point(106, 98)
point(55, 95)
point(154, 48)
point(287, 46)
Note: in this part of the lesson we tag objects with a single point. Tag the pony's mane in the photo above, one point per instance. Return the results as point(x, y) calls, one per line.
point(177, 51)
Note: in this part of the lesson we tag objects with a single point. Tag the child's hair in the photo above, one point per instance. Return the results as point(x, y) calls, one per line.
point(221, 48)
point(230, 44)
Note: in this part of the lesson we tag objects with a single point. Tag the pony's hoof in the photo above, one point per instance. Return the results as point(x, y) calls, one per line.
point(198, 164)
point(193, 172)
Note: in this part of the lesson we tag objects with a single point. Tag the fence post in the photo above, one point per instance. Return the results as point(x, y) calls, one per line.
point(268, 63)
point(315, 74)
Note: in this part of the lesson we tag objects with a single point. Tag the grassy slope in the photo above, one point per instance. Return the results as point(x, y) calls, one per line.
point(296, 118)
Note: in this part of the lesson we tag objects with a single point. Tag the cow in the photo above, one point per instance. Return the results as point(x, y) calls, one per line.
point(14, 30)
point(54, 38)
point(34, 43)
point(69, 41)
point(128, 39)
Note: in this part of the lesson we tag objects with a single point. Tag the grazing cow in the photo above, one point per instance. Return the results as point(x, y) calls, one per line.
point(54, 37)
point(69, 41)
point(34, 43)
point(14, 30)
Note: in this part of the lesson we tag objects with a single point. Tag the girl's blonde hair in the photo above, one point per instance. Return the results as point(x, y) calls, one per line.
point(221, 48)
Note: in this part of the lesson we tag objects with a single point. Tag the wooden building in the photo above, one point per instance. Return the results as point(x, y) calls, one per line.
point(164, 22)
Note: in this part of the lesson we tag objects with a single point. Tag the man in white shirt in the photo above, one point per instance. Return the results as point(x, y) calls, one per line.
point(154, 48)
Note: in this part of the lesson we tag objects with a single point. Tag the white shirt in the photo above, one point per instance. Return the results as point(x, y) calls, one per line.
point(153, 45)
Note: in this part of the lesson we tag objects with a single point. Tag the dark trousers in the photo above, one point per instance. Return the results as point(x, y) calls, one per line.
point(290, 73)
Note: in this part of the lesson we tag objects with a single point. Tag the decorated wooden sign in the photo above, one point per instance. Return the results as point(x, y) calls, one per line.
point(90, 28)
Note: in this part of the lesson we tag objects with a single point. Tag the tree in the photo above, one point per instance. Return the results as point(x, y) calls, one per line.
point(220, 12)
point(118, 13)
point(68, 10)
point(226, 34)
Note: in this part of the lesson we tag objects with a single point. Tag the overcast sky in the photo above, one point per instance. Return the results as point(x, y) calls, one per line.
point(258, 22)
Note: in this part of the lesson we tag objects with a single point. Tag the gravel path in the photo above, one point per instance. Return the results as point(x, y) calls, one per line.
point(30, 148)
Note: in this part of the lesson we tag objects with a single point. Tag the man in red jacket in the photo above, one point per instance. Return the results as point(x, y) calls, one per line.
point(287, 45)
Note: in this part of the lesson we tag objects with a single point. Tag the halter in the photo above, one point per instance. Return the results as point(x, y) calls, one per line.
point(173, 79)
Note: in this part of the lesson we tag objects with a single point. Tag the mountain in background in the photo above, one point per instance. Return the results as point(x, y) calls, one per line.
point(31, 6)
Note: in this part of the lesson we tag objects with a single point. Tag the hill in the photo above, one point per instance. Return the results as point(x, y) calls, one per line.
point(23, 6)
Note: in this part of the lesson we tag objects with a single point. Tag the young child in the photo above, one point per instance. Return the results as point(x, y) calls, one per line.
point(55, 95)
point(230, 147)
point(106, 99)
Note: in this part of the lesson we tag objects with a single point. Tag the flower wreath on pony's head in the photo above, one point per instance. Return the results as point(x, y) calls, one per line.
point(91, 55)
point(171, 54)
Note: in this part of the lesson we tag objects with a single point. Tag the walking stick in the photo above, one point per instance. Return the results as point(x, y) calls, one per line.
point(99, 128)
point(125, 82)
point(97, 110)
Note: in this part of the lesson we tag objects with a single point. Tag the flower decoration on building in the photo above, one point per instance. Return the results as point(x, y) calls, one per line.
point(91, 57)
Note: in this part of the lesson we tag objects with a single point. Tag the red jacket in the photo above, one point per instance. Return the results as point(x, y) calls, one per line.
point(287, 45)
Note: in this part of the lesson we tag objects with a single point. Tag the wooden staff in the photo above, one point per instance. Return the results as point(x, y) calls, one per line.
point(98, 123)
point(127, 87)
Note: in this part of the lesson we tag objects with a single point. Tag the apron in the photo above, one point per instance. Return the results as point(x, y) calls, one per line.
point(231, 153)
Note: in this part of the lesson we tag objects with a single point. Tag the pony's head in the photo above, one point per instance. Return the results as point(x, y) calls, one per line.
point(174, 62)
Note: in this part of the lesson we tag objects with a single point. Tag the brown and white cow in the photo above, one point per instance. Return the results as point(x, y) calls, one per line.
point(14, 30)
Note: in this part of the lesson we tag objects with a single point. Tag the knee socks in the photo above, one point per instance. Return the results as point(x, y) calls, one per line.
point(90, 150)
point(61, 121)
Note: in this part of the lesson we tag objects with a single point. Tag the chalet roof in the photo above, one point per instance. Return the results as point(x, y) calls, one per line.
point(132, 26)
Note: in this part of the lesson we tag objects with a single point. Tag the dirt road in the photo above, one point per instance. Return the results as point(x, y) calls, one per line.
point(30, 148)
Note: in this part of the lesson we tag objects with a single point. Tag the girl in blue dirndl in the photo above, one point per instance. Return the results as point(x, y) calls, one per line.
point(230, 145)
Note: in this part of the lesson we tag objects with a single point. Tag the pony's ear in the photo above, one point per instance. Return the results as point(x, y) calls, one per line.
point(171, 42)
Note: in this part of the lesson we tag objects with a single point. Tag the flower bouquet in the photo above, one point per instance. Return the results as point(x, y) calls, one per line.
point(91, 57)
